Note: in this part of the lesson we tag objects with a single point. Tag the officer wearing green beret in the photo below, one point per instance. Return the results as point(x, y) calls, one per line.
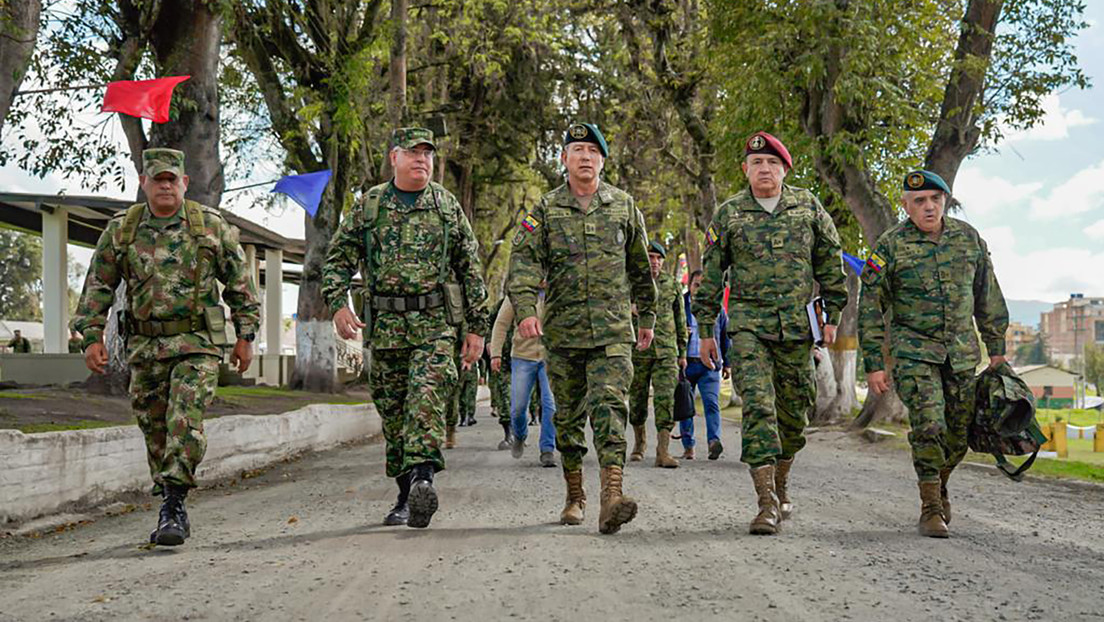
point(932, 274)
point(413, 245)
point(775, 242)
point(657, 368)
point(172, 253)
point(588, 238)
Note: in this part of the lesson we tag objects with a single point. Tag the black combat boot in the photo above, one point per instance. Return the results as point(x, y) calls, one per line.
point(423, 497)
point(172, 523)
point(401, 512)
point(507, 436)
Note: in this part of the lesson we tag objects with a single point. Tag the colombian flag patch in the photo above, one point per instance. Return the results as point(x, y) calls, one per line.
point(875, 262)
point(530, 223)
point(711, 236)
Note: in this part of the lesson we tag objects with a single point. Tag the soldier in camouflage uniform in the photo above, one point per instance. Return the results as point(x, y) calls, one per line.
point(461, 406)
point(932, 274)
point(498, 381)
point(588, 239)
point(172, 254)
point(775, 242)
point(19, 344)
point(415, 248)
point(658, 366)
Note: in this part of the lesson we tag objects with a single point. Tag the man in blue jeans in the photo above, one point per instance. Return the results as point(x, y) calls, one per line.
point(706, 381)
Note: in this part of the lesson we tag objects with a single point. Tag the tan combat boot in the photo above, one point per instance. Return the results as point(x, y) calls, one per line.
point(450, 436)
point(575, 507)
point(639, 444)
point(766, 522)
point(945, 475)
point(931, 512)
point(663, 456)
point(616, 509)
point(781, 477)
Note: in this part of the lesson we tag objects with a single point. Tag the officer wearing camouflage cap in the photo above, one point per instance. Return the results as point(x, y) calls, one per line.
point(415, 249)
point(933, 275)
point(775, 242)
point(172, 253)
point(588, 238)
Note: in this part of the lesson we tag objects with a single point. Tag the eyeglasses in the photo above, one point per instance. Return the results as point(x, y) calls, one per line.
point(419, 153)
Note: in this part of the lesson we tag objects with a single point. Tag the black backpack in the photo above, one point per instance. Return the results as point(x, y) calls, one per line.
point(684, 399)
point(1004, 420)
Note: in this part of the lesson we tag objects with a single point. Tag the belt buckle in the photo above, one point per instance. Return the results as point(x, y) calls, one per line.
point(155, 328)
point(399, 304)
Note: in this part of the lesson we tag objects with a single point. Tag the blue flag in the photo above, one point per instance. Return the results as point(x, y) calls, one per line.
point(306, 190)
point(855, 263)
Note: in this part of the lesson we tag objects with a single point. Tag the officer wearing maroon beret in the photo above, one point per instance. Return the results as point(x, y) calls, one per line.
point(776, 243)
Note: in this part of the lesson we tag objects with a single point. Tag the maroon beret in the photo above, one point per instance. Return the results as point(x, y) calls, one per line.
point(762, 142)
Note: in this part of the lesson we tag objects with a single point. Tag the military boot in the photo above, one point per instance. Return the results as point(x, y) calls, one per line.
point(575, 507)
point(616, 509)
point(639, 444)
point(767, 521)
point(423, 497)
point(781, 478)
point(663, 456)
point(401, 512)
point(931, 522)
point(450, 436)
point(945, 475)
point(173, 526)
point(507, 438)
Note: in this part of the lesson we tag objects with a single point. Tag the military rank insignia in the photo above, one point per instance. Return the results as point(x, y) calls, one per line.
point(710, 236)
point(875, 262)
point(756, 143)
point(578, 131)
point(530, 223)
point(915, 180)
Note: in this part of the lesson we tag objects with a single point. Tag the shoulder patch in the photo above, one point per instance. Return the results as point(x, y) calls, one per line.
point(530, 223)
point(711, 235)
point(875, 262)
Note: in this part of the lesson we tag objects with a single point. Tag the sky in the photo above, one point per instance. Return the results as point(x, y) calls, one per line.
point(1037, 198)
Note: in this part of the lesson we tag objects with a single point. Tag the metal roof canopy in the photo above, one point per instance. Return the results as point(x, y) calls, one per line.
point(88, 217)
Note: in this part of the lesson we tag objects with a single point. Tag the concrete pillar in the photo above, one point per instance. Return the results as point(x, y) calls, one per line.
point(55, 281)
point(273, 315)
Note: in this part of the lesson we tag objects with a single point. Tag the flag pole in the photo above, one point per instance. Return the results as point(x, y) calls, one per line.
point(59, 89)
point(260, 183)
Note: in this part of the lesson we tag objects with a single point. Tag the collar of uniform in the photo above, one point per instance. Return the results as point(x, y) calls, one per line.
point(950, 228)
point(147, 215)
point(566, 198)
point(424, 201)
point(749, 204)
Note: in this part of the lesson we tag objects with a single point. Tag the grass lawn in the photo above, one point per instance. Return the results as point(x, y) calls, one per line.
point(236, 395)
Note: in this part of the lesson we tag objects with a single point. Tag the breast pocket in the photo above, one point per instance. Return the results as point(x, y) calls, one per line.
point(565, 237)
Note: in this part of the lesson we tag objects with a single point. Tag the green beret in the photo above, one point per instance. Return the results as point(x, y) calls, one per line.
point(925, 180)
point(410, 137)
point(160, 160)
point(657, 248)
point(586, 133)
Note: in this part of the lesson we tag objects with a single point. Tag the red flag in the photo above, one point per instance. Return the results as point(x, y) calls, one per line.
point(148, 99)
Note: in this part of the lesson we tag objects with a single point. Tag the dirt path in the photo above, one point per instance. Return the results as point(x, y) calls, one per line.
point(303, 542)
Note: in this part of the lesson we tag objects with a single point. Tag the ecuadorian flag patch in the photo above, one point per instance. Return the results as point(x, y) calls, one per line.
point(875, 262)
point(711, 236)
point(530, 223)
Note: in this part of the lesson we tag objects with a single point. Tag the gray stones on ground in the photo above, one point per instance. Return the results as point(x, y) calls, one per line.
point(876, 435)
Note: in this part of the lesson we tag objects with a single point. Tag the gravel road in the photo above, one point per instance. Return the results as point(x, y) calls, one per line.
point(303, 541)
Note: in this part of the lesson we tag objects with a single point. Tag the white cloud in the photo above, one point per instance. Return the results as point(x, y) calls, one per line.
point(1050, 274)
point(1081, 193)
point(981, 194)
point(1055, 124)
point(1095, 231)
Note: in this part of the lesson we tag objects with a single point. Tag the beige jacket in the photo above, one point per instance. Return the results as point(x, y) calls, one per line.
point(528, 348)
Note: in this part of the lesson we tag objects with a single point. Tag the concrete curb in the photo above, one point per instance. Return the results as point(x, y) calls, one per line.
point(42, 473)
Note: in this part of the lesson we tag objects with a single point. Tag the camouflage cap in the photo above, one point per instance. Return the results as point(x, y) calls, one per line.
point(157, 161)
point(410, 137)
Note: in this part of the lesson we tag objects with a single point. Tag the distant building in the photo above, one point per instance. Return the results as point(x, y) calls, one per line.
point(1053, 387)
point(1070, 325)
point(1018, 335)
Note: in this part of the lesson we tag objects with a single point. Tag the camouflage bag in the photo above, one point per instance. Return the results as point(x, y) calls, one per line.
point(1004, 420)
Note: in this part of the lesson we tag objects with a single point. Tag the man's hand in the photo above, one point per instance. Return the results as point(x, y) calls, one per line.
point(644, 338)
point(877, 382)
point(242, 355)
point(682, 363)
point(707, 350)
point(95, 357)
point(347, 323)
point(997, 360)
point(496, 364)
point(829, 334)
point(472, 350)
point(530, 327)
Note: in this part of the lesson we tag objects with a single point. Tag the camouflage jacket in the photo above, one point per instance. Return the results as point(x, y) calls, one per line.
point(160, 269)
point(933, 291)
point(670, 325)
point(408, 244)
point(772, 261)
point(596, 262)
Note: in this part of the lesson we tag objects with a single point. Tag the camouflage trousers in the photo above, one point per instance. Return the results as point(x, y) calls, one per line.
point(661, 374)
point(411, 388)
point(591, 383)
point(775, 381)
point(169, 397)
point(464, 394)
point(499, 384)
point(940, 402)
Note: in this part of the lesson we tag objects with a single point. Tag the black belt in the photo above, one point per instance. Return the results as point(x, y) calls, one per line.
point(401, 304)
point(166, 328)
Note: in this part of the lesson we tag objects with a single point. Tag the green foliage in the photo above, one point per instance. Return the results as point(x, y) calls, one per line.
point(20, 276)
point(1093, 365)
point(1033, 353)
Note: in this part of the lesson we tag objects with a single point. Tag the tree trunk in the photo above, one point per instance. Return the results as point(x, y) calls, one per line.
point(692, 239)
point(18, 33)
point(843, 357)
point(116, 377)
point(396, 100)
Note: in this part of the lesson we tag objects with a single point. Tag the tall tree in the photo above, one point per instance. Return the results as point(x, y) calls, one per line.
point(19, 22)
point(20, 276)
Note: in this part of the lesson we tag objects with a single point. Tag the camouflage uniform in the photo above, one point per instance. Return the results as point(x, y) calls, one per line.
point(772, 260)
point(934, 291)
point(414, 372)
point(499, 382)
point(173, 378)
point(462, 404)
point(20, 346)
point(596, 261)
point(657, 366)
